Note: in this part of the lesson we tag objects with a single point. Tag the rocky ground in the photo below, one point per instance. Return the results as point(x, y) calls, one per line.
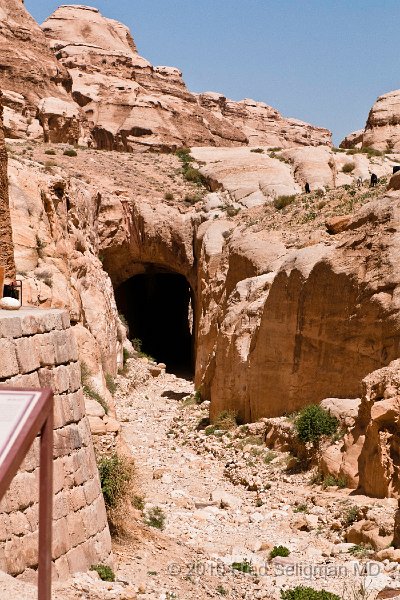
point(227, 499)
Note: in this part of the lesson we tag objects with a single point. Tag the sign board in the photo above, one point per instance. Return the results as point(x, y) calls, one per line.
point(24, 414)
point(15, 410)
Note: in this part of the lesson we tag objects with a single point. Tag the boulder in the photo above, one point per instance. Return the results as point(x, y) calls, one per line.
point(336, 225)
point(225, 499)
point(344, 409)
point(394, 183)
point(368, 533)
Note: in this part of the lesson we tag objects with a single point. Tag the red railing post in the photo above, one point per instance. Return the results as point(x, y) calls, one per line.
point(45, 509)
point(26, 414)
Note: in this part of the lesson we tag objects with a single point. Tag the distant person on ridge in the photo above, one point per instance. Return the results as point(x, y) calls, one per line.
point(307, 188)
point(374, 180)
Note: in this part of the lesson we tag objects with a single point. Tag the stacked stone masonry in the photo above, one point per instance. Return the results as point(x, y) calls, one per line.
point(37, 349)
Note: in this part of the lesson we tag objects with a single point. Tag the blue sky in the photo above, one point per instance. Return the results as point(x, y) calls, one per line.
point(323, 61)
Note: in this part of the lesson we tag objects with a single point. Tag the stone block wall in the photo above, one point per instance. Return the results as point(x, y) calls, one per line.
point(6, 244)
point(38, 349)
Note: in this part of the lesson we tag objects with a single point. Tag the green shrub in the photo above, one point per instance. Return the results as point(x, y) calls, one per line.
point(210, 430)
point(168, 196)
point(352, 515)
point(225, 420)
point(70, 152)
point(88, 389)
point(221, 590)
point(331, 481)
point(231, 211)
point(105, 572)
point(123, 320)
point(269, 457)
point(244, 567)
point(193, 198)
point(314, 422)
point(360, 550)
point(126, 355)
point(257, 150)
point(301, 508)
point(50, 152)
point(184, 155)
point(371, 151)
point(138, 502)
point(306, 593)
point(190, 173)
point(198, 397)
point(137, 344)
point(194, 175)
point(282, 201)
point(116, 475)
point(279, 551)
point(365, 150)
point(155, 517)
point(348, 167)
point(111, 385)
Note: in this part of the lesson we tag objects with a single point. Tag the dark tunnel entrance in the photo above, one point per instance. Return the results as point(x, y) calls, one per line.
point(158, 309)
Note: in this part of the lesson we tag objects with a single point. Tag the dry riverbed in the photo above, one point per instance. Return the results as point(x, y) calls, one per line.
point(227, 499)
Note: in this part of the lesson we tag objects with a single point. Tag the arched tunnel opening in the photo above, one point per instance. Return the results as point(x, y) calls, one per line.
point(158, 307)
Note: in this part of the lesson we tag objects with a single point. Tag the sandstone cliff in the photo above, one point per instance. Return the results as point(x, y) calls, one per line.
point(36, 87)
point(129, 102)
point(382, 129)
point(253, 178)
point(297, 314)
point(297, 325)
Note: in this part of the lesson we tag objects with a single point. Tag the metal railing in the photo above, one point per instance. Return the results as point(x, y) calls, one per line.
point(23, 415)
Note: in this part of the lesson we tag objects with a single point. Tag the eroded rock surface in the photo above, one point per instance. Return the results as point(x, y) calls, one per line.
point(300, 322)
point(129, 102)
point(370, 453)
point(6, 242)
point(382, 129)
point(35, 85)
point(252, 176)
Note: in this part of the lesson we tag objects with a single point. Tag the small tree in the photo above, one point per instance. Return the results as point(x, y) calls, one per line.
point(314, 422)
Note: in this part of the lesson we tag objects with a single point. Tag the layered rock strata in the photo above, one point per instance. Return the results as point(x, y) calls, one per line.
point(252, 178)
point(382, 129)
point(6, 243)
point(36, 86)
point(38, 349)
point(129, 103)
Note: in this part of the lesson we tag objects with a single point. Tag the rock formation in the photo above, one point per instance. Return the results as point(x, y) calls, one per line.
point(253, 178)
point(382, 129)
point(130, 103)
point(55, 228)
point(369, 458)
point(35, 86)
point(6, 243)
point(295, 324)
